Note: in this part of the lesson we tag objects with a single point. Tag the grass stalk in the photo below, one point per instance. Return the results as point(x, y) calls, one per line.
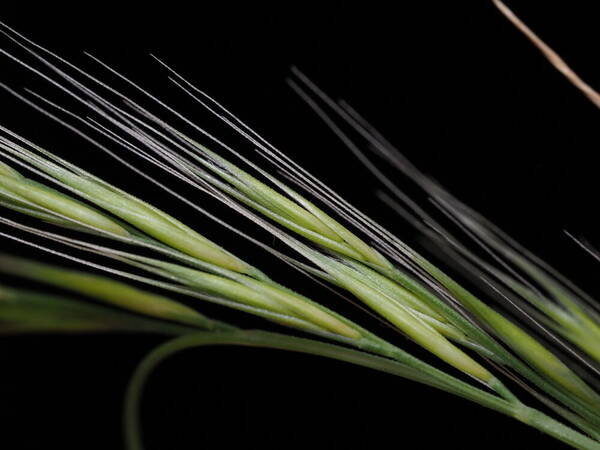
point(527, 415)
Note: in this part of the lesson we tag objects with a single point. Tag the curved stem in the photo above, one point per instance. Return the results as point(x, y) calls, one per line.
point(263, 339)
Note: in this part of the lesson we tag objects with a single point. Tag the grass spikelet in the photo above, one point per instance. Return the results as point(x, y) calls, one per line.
point(106, 290)
point(260, 294)
point(228, 288)
point(7, 171)
point(24, 311)
point(141, 215)
point(520, 341)
point(26, 192)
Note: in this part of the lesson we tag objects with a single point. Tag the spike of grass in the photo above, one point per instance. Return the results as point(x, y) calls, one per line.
point(546, 363)
point(401, 317)
point(106, 290)
point(273, 205)
point(138, 213)
point(268, 197)
point(526, 346)
point(261, 193)
point(23, 311)
point(575, 318)
point(402, 304)
point(412, 326)
point(306, 309)
point(7, 171)
point(44, 197)
point(147, 220)
point(571, 323)
point(177, 235)
point(260, 294)
point(300, 213)
point(397, 313)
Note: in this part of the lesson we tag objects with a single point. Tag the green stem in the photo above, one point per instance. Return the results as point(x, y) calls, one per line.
point(554, 428)
point(380, 347)
point(263, 339)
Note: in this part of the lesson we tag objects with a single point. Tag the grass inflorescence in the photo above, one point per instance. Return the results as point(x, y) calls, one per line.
point(332, 241)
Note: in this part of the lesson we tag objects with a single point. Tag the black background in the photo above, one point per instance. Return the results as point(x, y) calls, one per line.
point(461, 93)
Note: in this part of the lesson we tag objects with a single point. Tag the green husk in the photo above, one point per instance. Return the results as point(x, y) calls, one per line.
point(261, 294)
point(7, 171)
point(141, 215)
point(300, 215)
point(24, 191)
point(106, 290)
point(23, 311)
point(521, 342)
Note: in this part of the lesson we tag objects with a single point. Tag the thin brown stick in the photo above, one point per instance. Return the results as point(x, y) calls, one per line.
point(550, 54)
